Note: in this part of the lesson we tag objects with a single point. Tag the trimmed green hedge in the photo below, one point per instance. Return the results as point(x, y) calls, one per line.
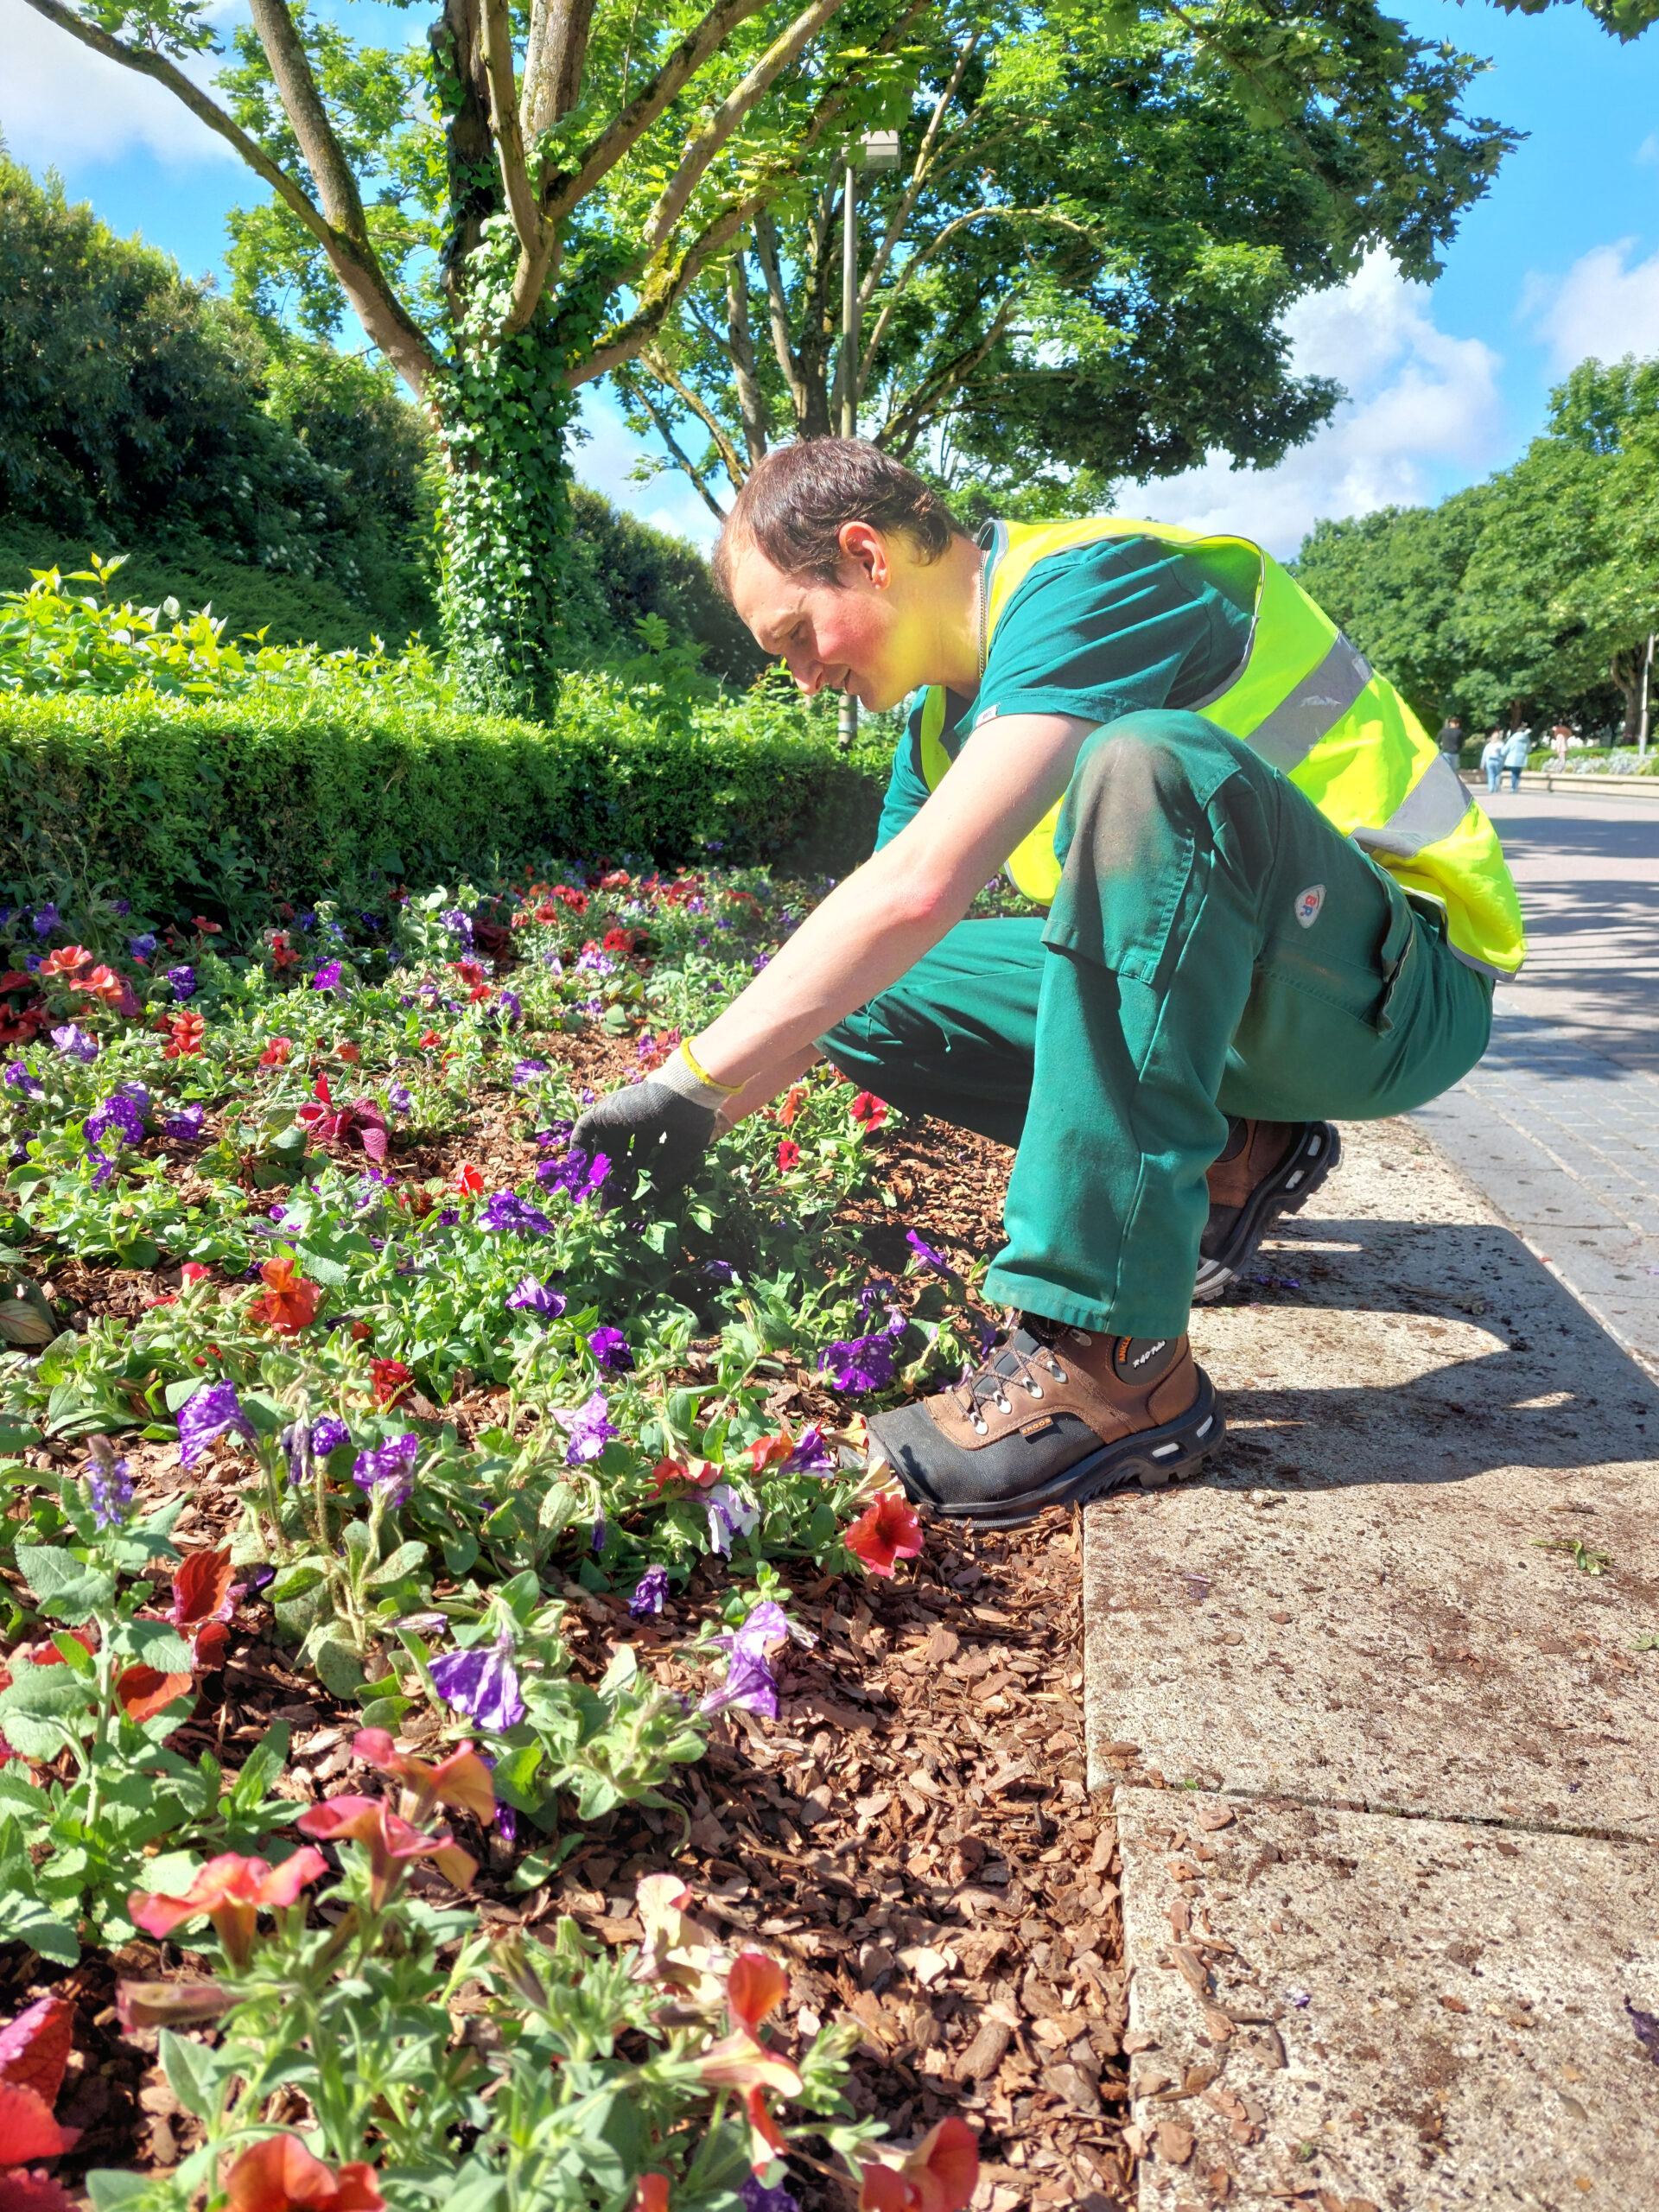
point(230, 802)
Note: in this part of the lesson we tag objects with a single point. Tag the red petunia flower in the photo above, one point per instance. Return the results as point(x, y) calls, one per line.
point(887, 1530)
point(869, 1110)
point(290, 1303)
point(468, 1181)
point(277, 1053)
point(280, 2175)
point(429, 1040)
point(392, 1381)
point(462, 1780)
point(350, 1053)
point(789, 1154)
point(231, 1892)
point(392, 1844)
point(652, 2195)
point(185, 1031)
point(755, 1987)
point(65, 961)
point(940, 2175)
point(793, 1105)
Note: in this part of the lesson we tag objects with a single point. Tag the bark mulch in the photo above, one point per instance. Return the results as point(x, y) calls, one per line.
point(912, 1835)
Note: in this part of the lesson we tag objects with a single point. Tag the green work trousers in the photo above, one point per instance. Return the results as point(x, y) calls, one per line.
point(1215, 948)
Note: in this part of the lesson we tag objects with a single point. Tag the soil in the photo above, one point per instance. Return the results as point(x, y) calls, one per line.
point(912, 1835)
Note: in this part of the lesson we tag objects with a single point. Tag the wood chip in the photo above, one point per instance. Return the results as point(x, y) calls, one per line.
point(984, 2054)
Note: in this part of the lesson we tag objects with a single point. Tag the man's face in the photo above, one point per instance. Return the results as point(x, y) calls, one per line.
point(851, 637)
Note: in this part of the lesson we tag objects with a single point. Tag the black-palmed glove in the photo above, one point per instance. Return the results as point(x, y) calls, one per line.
point(663, 1125)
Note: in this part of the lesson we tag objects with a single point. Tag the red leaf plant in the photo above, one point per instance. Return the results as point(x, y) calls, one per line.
point(360, 1126)
point(887, 1530)
point(391, 1843)
point(290, 1303)
point(280, 2175)
point(34, 2051)
point(204, 1599)
point(231, 1891)
point(940, 2175)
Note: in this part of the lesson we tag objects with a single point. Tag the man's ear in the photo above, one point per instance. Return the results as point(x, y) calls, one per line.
point(865, 548)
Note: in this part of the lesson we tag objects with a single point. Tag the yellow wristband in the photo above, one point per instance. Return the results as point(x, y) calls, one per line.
point(727, 1089)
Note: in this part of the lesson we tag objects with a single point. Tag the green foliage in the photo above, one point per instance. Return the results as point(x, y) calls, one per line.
point(622, 571)
point(1530, 596)
point(1078, 271)
point(207, 802)
point(134, 405)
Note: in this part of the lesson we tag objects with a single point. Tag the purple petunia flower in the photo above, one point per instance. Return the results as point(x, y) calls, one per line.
point(509, 1008)
point(328, 1433)
point(327, 977)
point(109, 1488)
point(455, 920)
point(185, 1126)
point(720, 1271)
point(120, 905)
point(926, 1253)
point(482, 1683)
point(526, 1071)
point(601, 1531)
point(449, 1217)
point(389, 1468)
point(749, 1680)
point(18, 1078)
point(72, 1041)
point(46, 919)
point(142, 946)
point(757, 2198)
point(649, 1592)
point(213, 1410)
point(533, 1297)
point(590, 1429)
point(729, 1516)
point(612, 1349)
point(183, 980)
point(863, 1363)
point(399, 1099)
point(811, 1456)
point(575, 1174)
point(507, 1212)
point(118, 1112)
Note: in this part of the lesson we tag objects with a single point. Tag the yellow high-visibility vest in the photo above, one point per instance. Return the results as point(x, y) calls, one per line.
point(1309, 703)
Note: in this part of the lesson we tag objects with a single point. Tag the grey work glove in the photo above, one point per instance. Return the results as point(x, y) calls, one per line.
point(663, 1125)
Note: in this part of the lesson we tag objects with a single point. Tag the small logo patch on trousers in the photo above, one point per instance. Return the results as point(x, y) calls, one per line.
point(1308, 903)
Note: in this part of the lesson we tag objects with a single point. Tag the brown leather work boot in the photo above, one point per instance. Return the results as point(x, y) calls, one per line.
point(1267, 1168)
point(1053, 1416)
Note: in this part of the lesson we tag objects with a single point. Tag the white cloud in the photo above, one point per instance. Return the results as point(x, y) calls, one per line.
point(61, 102)
point(1418, 401)
point(1601, 307)
point(606, 458)
point(1647, 154)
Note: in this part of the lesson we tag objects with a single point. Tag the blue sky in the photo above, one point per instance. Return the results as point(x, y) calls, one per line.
point(1447, 382)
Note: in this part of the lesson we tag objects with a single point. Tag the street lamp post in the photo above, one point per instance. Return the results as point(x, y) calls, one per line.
point(878, 150)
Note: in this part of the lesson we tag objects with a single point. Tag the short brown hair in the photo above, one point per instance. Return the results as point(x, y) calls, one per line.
point(797, 500)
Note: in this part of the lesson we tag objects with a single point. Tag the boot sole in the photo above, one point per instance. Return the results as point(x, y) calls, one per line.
point(1287, 1190)
point(1152, 1457)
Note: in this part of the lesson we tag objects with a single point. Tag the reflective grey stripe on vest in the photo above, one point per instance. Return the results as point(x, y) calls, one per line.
point(1431, 810)
point(1289, 734)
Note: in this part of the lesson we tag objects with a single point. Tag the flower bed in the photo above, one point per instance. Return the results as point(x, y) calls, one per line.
point(339, 1377)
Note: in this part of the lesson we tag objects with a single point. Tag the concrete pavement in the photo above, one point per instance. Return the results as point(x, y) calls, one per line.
point(1413, 1613)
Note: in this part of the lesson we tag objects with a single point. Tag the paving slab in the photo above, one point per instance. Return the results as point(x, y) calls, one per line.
point(1354, 2011)
point(1419, 1577)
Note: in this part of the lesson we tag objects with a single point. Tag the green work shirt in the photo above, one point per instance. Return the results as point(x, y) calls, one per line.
point(1101, 630)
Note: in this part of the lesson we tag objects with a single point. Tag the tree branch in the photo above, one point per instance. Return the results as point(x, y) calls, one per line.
point(924, 254)
point(602, 153)
point(912, 191)
point(751, 402)
point(765, 248)
point(750, 88)
point(730, 460)
point(554, 62)
point(351, 256)
point(681, 458)
point(503, 122)
point(901, 431)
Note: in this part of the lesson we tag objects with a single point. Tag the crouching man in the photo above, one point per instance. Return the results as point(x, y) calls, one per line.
point(1270, 900)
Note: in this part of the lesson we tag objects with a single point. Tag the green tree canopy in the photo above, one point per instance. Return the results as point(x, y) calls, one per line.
point(1527, 597)
point(1078, 271)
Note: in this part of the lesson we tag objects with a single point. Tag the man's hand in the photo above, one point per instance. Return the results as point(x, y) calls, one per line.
point(663, 1125)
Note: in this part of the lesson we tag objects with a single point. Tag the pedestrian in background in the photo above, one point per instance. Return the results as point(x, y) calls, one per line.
point(1560, 737)
point(1491, 759)
point(1517, 749)
point(1449, 738)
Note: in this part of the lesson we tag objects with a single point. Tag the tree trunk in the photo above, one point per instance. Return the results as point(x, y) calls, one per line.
point(502, 414)
point(1626, 673)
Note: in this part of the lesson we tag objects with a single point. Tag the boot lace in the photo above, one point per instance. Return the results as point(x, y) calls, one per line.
point(1016, 1366)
